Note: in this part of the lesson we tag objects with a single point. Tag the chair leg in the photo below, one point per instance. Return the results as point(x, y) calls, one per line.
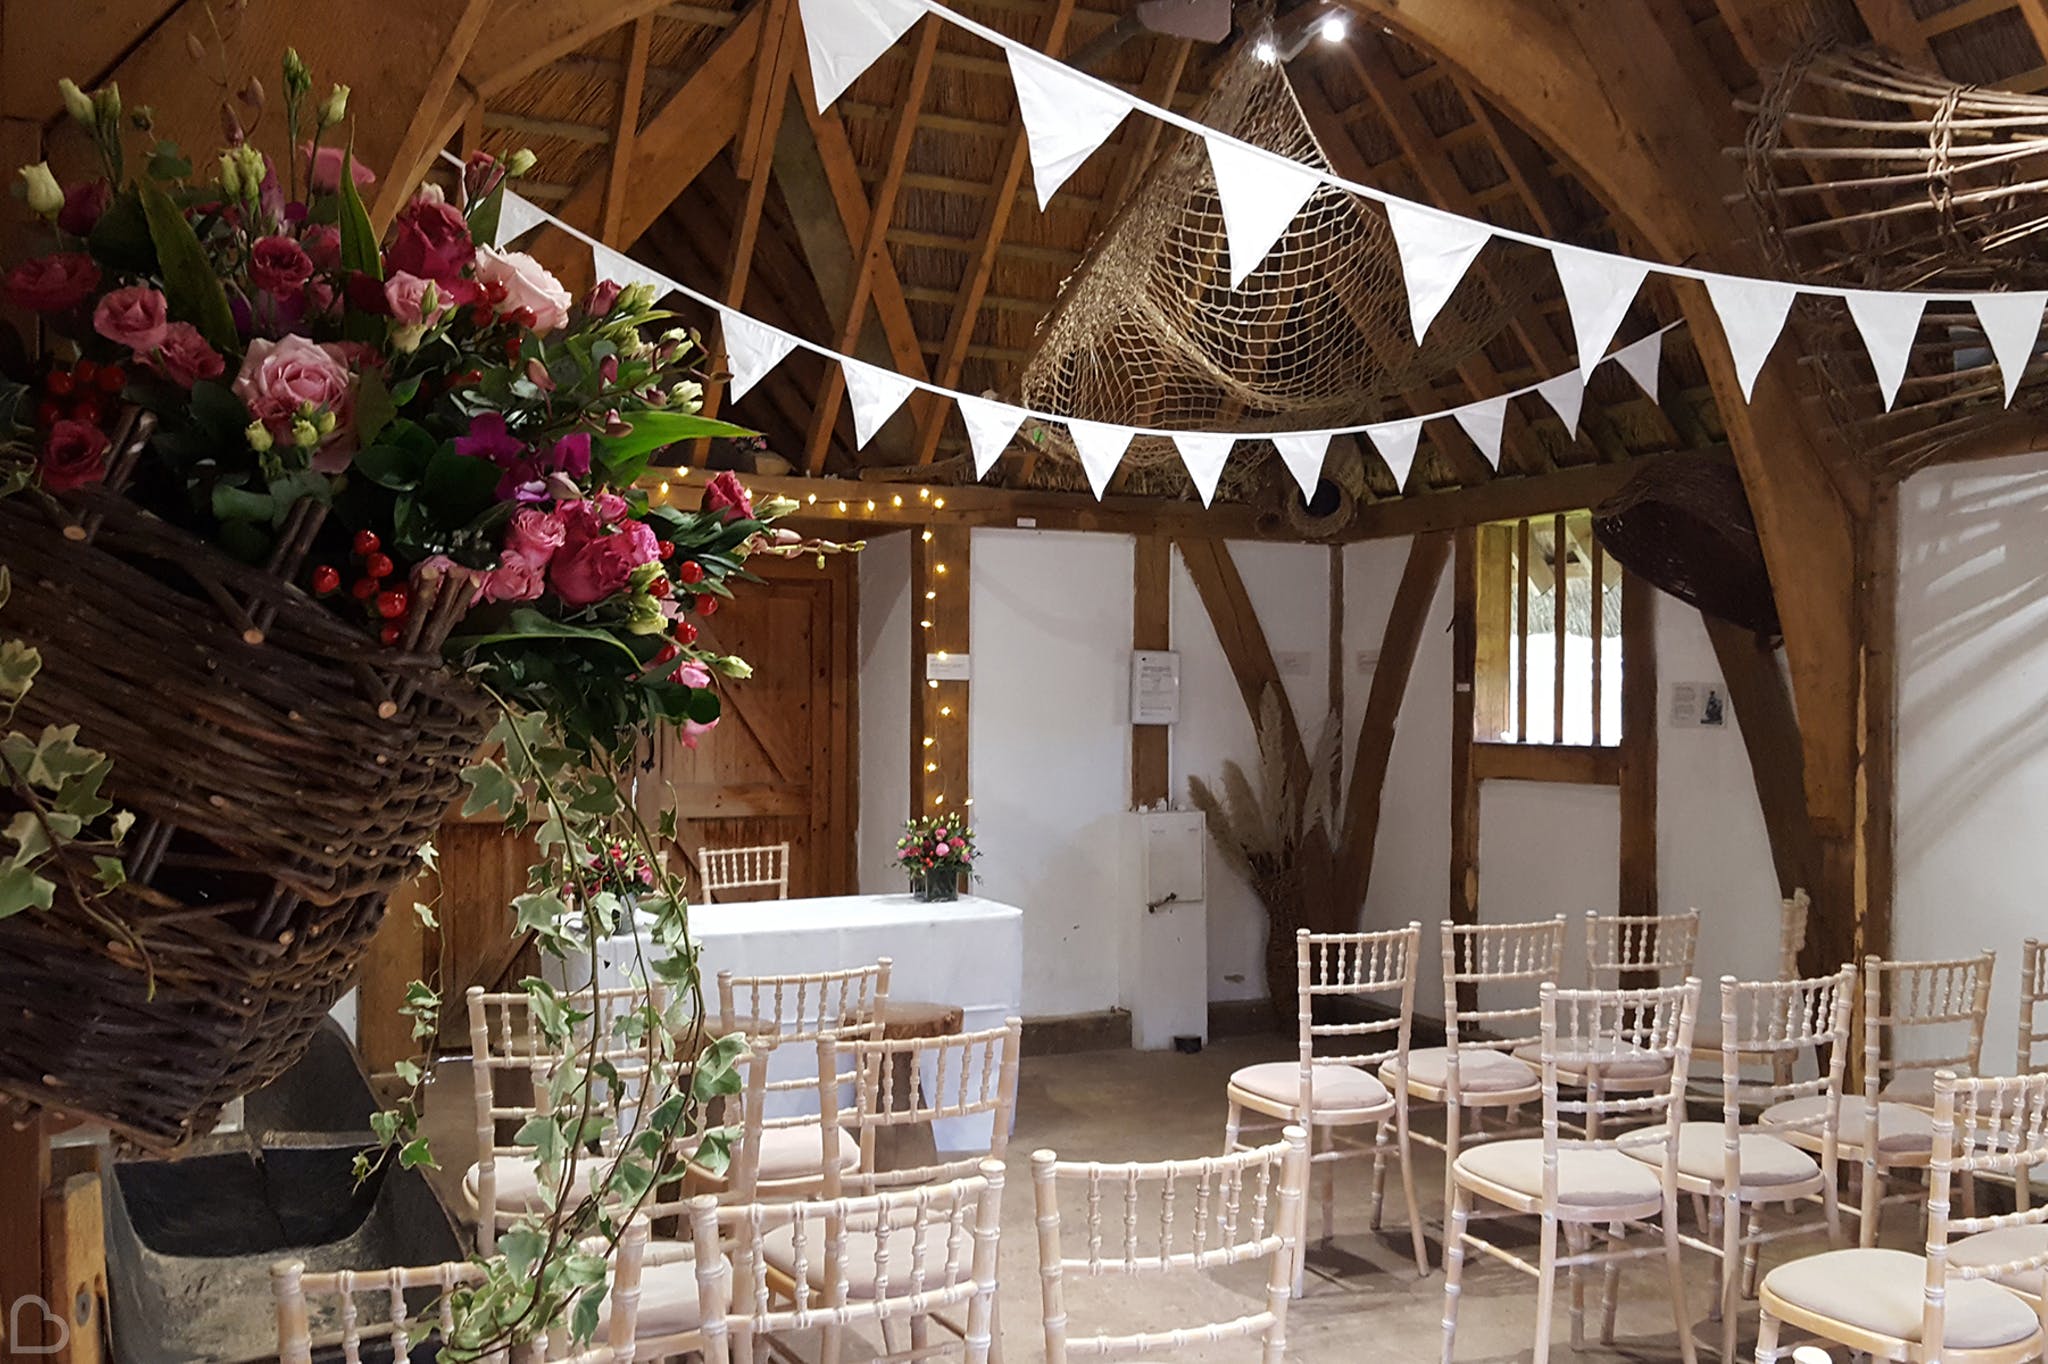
point(1546, 1288)
point(1460, 1209)
point(1451, 1125)
point(1230, 1127)
point(1732, 1255)
point(1872, 1201)
point(1407, 1156)
point(1610, 1285)
point(1668, 1224)
point(1577, 1241)
point(1751, 1264)
point(1329, 1185)
point(1766, 1339)
point(1379, 1175)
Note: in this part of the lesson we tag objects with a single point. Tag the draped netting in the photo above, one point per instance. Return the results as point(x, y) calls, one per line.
point(1148, 332)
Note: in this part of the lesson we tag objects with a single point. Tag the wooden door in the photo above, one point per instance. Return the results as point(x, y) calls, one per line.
point(781, 764)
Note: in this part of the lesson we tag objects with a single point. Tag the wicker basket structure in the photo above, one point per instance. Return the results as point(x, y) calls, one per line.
point(284, 770)
point(1685, 527)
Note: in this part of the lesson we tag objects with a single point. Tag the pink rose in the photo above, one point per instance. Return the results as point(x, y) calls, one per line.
point(431, 241)
point(74, 456)
point(184, 358)
point(527, 285)
point(588, 570)
point(516, 578)
point(83, 205)
point(535, 535)
point(279, 265)
point(322, 242)
point(53, 284)
point(407, 297)
point(608, 505)
point(326, 168)
point(135, 317)
point(692, 732)
point(725, 494)
point(282, 379)
point(691, 673)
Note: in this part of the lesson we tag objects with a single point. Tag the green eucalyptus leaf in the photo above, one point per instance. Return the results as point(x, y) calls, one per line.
point(192, 287)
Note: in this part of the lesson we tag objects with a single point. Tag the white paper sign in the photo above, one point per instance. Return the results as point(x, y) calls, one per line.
point(1155, 687)
point(1698, 705)
point(946, 668)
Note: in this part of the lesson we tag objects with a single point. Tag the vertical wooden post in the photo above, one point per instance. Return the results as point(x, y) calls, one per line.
point(1494, 598)
point(940, 576)
point(1151, 628)
point(1560, 599)
point(1638, 746)
point(24, 1175)
point(1464, 898)
point(1877, 593)
point(1522, 551)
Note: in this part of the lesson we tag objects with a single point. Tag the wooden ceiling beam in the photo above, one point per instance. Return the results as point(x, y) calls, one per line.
point(874, 247)
point(982, 263)
point(526, 35)
point(626, 126)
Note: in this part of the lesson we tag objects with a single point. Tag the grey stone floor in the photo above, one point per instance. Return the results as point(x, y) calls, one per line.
point(1364, 1301)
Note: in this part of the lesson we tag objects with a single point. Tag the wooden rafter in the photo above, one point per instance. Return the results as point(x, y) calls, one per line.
point(874, 247)
point(626, 127)
point(981, 265)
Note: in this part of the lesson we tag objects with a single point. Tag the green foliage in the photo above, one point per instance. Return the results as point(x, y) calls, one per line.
point(191, 286)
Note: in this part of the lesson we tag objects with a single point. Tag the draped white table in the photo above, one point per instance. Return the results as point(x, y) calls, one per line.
point(968, 952)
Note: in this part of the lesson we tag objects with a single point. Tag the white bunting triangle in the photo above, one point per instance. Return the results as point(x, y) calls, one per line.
point(875, 395)
point(620, 268)
point(1101, 447)
point(517, 216)
point(1752, 313)
point(751, 350)
point(1260, 196)
point(1566, 395)
point(1641, 359)
point(990, 428)
point(2012, 324)
point(1436, 251)
point(1302, 452)
point(1888, 323)
point(1205, 454)
point(1484, 422)
point(1065, 117)
point(1598, 289)
point(1396, 443)
point(846, 36)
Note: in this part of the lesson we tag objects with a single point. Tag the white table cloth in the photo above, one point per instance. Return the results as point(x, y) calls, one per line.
point(968, 952)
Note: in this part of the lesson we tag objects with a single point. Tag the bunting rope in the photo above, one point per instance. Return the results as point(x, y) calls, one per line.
point(1068, 113)
point(754, 347)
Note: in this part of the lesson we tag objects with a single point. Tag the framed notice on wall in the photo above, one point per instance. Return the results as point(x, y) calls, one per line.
point(1155, 687)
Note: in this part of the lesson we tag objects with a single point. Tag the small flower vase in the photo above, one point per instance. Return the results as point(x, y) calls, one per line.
point(935, 887)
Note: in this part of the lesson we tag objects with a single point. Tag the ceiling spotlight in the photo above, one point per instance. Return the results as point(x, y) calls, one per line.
point(1334, 27)
point(1266, 51)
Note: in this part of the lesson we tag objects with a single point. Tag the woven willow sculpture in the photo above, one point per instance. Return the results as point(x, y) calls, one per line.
point(1863, 172)
point(1148, 332)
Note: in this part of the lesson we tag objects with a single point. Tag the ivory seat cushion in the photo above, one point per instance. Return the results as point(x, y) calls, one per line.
point(1337, 1089)
point(518, 1182)
point(778, 1247)
point(1617, 1061)
point(1479, 1072)
point(1882, 1291)
point(2003, 1247)
point(668, 1301)
point(1767, 1161)
point(1914, 1088)
point(1902, 1130)
point(798, 1152)
point(1586, 1179)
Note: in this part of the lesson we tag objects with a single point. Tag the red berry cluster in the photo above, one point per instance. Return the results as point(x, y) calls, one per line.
point(390, 605)
point(82, 393)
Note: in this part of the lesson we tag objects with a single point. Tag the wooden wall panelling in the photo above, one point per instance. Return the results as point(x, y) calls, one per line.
point(1151, 628)
point(941, 575)
point(403, 951)
point(1463, 907)
point(1581, 764)
point(1638, 747)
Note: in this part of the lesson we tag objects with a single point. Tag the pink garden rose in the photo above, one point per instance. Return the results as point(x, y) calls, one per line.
point(279, 265)
point(53, 284)
point(535, 535)
point(322, 242)
point(516, 578)
point(184, 358)
point(135, 317)
point(282, 378)
point(327, 168)
point(691, 673)
point(725, 494)
point(83, 205)
point(407, 296)
point(588, 569)
point(692, 732)
point(527, 285)
point(74, 455)
point(431, 241)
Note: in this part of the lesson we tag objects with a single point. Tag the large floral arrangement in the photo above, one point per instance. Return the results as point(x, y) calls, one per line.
point(460, 417)
point(936, 848)
point(456, 409)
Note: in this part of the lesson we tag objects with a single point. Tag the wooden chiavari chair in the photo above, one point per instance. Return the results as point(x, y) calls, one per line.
point(759, 868)
point(1793, 914)
point(1931, 1017)
point(938, 1254)
point(416, 1304)
point(1240, 1208)
point(1957, 1302)
point(1330, 1094)
point(1581, 1187)
point(1475, 1069)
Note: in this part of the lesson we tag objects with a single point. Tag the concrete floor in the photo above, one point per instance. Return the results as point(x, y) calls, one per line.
point(1363, 1300)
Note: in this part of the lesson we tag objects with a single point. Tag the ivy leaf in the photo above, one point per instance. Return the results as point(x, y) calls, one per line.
point(424, 912)
point(21, 888)
point(521, 1246)
point(583, 1320)
point(18, 667)
point(416, 1156)
point(408, 1071)
point(384, 1126)
point(539, 912)
point(490, 787)
point(112, 872)
point(191, 286)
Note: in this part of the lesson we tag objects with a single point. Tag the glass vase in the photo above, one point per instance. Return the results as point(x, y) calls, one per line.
point(935, 887)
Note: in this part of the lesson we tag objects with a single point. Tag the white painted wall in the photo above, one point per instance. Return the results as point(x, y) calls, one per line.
point(884, 700)
point(1973, 727)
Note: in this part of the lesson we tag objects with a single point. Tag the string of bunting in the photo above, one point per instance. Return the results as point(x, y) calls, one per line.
point(753, 348)
point(1067, 114)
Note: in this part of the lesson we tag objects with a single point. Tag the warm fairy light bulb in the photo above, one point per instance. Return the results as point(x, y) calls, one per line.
point(812, 499)
point(939, 799)
point(942, 655)
point(924, 494)
point(871, 504)
point(896, 501)
point(938, 502)
point(1334, 27)
point(932, 682)
point(931, 767)
point(842, 506)
point(939, 567)
point(924, 625)
point(929, 741)
point(664, 487)
point(927, 537)
point(931, 596)
point(944, 710)
point(968, 801)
